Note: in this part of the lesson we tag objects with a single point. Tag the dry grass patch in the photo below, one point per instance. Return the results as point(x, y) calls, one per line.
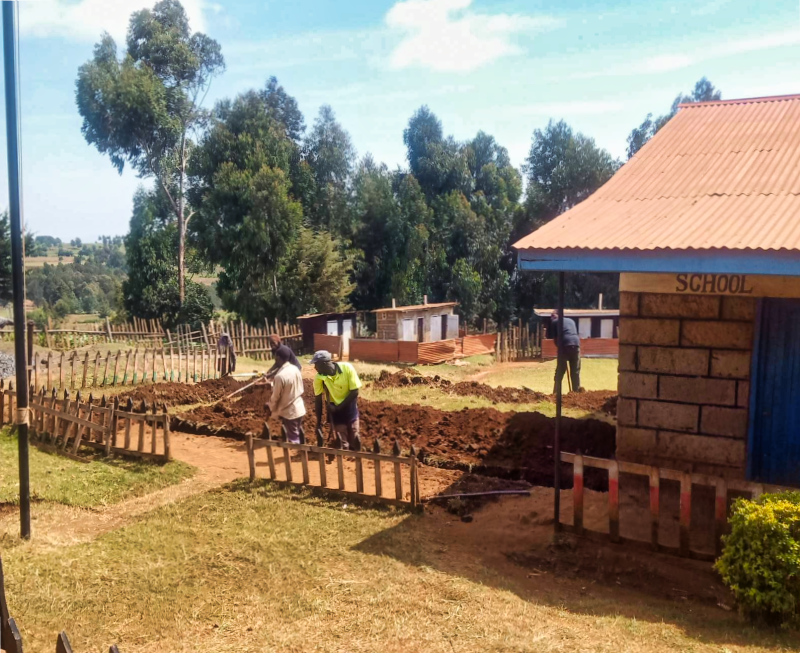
point(255, 568)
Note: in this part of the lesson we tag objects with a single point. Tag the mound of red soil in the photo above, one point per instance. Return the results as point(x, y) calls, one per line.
point(182, 394)
point(484, 437)
point(596, 400)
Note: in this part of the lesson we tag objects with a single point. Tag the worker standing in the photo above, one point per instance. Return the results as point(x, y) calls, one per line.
point(570, 344)
point(227, 353)
point(286, 401)
point(339, 383)
point(275, 345)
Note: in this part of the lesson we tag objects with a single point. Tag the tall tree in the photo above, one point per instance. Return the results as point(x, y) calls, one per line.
point(563, 168)
point(144, 108)
point(329, 152)
point(704, 91)
point(151, 289)
point(284, 109)
point(246, 218)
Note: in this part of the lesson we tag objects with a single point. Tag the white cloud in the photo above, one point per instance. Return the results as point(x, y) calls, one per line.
point(86, 20)
point(665, 63)
point(444, 35)
point(570, 108)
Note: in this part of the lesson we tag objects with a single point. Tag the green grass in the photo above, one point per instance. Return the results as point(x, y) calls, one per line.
point(436, 398)
point(596, 374)
point(58, 479)
point(249, 569)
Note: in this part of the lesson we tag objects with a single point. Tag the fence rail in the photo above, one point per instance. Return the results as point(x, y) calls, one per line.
point(63, 425)
point(311, 457)
point(656, 475)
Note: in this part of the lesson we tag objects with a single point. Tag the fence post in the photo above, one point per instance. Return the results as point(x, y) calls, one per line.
point(111, 435)
point(413, 477)
point(251, 457)
point(167, 453)
point(720, 514)
point(655, 492)
point(613, 501)
point(685, 513)
point(577, 494)
point(108, 331)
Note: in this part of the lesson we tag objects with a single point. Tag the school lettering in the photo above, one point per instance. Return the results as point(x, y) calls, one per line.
point(711, 284)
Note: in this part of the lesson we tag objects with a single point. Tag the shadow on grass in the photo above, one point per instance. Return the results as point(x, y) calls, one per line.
point(578, 576)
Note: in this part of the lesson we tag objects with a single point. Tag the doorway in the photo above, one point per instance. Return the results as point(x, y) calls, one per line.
point(444, 327)
point(420, 329)
point(774, 447)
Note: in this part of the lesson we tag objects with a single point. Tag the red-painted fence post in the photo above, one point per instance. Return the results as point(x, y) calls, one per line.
point(613, 500)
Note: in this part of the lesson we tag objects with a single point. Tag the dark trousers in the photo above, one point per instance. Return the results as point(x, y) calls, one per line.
point(572, 355)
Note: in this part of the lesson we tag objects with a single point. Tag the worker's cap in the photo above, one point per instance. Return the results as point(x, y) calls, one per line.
point(321, 356)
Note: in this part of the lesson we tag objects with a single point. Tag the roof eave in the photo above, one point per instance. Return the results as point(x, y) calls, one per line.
point(779, 263)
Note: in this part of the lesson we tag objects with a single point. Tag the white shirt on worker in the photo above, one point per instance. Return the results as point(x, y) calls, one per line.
point(287, 393)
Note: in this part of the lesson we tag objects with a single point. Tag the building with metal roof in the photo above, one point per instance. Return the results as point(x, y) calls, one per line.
point(704, 225)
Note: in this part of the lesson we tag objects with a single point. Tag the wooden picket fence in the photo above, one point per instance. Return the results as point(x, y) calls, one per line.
point(656, 475)
point(64, 425)
point(253, 342)
point(314, 457)
point(10, 637)
point(519, 342)
point(136, 366)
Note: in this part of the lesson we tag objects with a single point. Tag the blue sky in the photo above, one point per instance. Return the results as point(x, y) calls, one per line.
point(505, 67)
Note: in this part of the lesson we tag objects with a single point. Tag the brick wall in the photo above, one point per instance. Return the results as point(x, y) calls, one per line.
point(684, 372)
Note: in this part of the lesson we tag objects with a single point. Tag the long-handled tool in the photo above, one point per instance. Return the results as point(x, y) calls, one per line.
point(242, 389)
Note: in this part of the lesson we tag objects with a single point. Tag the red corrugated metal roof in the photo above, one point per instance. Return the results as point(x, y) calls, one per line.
point(719, 175)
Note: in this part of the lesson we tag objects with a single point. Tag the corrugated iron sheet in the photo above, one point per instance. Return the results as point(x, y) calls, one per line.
point(719, 175)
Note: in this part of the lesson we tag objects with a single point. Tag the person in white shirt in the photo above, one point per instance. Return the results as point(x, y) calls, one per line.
point(286, 401)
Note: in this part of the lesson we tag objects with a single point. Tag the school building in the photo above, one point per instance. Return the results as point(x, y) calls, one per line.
point(704, 225)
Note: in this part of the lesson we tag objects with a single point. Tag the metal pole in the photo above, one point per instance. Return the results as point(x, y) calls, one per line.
point(557, 444)
point(11, 69)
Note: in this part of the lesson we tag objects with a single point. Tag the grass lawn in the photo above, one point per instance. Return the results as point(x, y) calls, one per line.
point(436, 398)
point(596, 374)
point(84, 485)
point(265, 569)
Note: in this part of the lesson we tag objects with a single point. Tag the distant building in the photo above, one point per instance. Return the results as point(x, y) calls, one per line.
point(420, 323)
point(331, 324)
point(591, 322)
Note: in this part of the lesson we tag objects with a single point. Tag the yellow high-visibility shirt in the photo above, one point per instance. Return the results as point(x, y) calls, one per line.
point(339, 384)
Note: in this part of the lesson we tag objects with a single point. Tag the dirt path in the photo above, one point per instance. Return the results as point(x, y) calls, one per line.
point(218, 461)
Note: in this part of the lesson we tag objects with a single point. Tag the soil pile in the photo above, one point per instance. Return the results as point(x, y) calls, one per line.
point(596, 400)
point(482, 437)
point(182, 394)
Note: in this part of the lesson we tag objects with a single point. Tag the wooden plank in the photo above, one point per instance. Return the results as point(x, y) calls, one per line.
point(163, 362)
point(377, 468)
point(304, 464)
point(737, 285)
point(366, 455)
point(165, 431)
point(398, 476)
point(61, 371)
point(340, 469)
point(685, 513)
point(85, 370)
point(61, 415)
point(251, 457)
point(72, 371)
point(128, 421)
point(613, 501)
point(142, 423)
point(359, 475)
point(655, 502)
point(720, 514)
point(577, 494)
point(49, 368)
point(271, 461)
point(116, 367)
point(287, 463)
point(413, 478)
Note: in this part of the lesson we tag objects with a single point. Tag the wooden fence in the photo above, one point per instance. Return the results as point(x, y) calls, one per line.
point(519, 342)
point(656, 475)
point(78, 371)
point(315, 472)
point(423, 353)
point(253, 342)
point(10, 637)
point(63, 425)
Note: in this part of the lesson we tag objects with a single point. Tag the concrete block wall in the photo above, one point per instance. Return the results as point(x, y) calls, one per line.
point(684, 381)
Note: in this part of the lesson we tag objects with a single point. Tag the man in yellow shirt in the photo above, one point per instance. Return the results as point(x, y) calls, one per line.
point(339, 383)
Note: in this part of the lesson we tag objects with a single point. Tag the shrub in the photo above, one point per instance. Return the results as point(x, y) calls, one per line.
point(761, 558)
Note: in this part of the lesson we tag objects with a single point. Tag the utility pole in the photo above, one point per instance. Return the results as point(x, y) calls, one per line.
point(11, 69)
